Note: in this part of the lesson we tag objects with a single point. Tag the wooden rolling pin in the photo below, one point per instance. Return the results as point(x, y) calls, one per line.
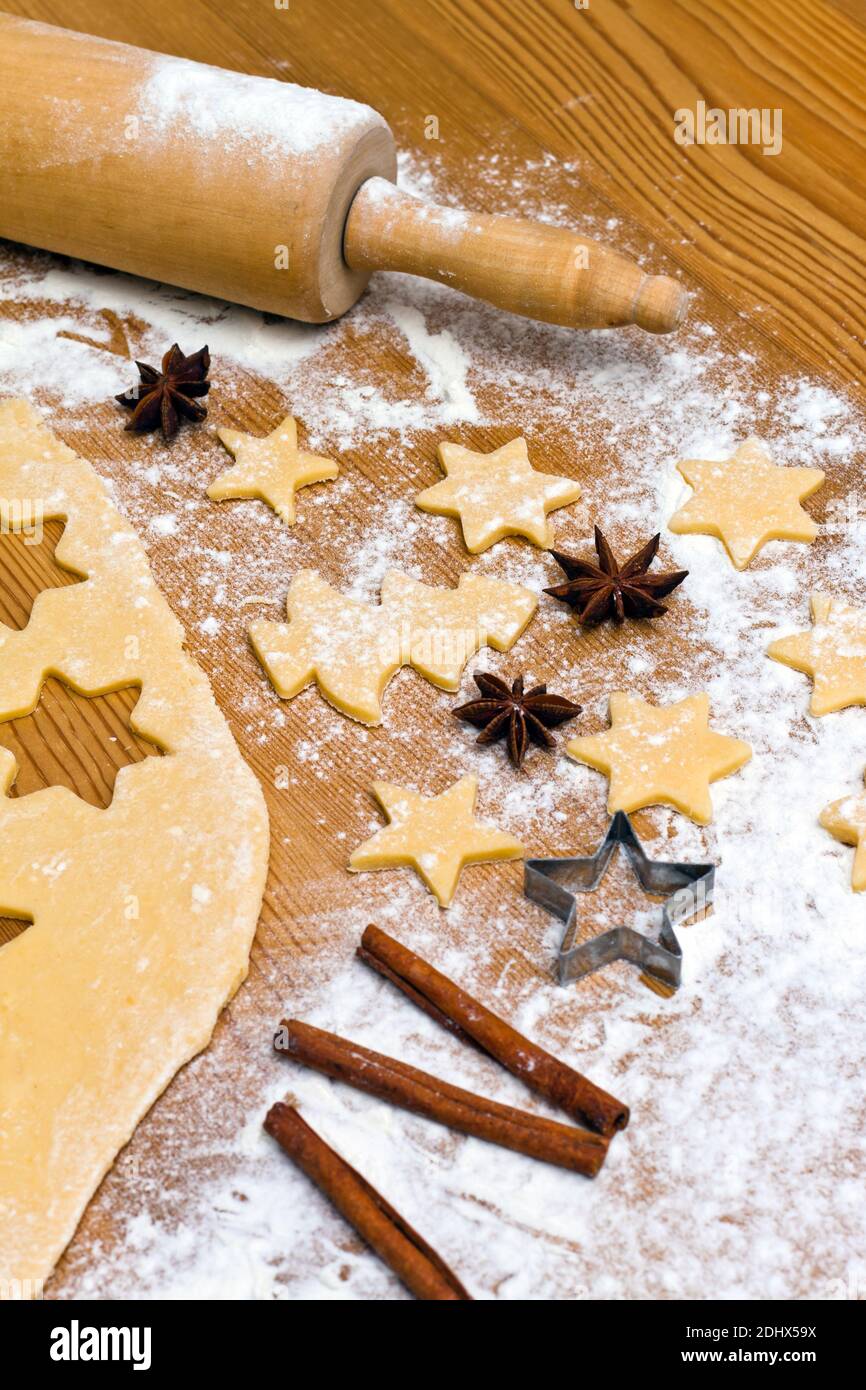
point(266, 193)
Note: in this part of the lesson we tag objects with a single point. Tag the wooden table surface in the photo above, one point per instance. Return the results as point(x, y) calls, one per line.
point(774, 248)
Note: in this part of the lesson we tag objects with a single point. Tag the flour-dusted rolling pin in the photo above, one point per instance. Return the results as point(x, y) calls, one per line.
point(263, 192)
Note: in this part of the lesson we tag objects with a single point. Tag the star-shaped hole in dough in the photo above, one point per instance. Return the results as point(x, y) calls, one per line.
point(747, 500)
point(832, 652)
point(270, 468)
point(74, 739)
point(437, 836)
point(352, 649)
point(661, 755)
point(497, 494)
point(28, 562)
point(846, 821)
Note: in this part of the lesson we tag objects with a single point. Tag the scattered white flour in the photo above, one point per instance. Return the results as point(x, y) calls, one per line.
point(274, 118)
point(443, 359)
point(263, 119)
point(165, 525)
point(741, 1173)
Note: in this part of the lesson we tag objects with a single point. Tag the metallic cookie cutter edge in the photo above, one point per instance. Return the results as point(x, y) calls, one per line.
point(661, 959)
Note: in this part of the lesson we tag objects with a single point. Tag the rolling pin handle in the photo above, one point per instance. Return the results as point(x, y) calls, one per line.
point(528, 268)
point(661, 304)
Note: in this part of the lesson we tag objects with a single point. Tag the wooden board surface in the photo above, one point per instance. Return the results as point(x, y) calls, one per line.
point(773, 247)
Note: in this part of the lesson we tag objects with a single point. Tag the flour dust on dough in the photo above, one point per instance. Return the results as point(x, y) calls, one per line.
point(352, 649)
point(661, 755)
point(846, 821)
point(833, 653)
point(437, 836)
point(497, 494)
point(143, 913)
point(271, 468)
point(747, 500)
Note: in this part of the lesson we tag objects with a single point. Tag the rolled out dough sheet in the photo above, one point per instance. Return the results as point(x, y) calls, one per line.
point(144, 912)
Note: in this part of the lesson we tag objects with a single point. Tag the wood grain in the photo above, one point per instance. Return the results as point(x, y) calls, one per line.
point(778, 241)
point(27, 567)
point(784, 234)
point(76, 741)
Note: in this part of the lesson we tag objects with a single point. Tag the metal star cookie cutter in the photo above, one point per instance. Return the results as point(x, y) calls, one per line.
point(554, 883)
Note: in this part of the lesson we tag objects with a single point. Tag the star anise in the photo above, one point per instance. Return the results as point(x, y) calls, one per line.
point(611, 590)
point(515, 716)
point(160, 398)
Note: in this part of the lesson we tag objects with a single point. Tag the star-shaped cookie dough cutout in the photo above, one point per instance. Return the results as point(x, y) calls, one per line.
point(846, 820)
point(271, 468)
point(746, 501)
point(833, 653)
point(497, 494)
point(661, 755)
point(435, 835)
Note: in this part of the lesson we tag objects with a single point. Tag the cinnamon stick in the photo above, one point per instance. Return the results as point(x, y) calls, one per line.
point(394, 1081)
point(470, 1021)
point(393, 1239)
